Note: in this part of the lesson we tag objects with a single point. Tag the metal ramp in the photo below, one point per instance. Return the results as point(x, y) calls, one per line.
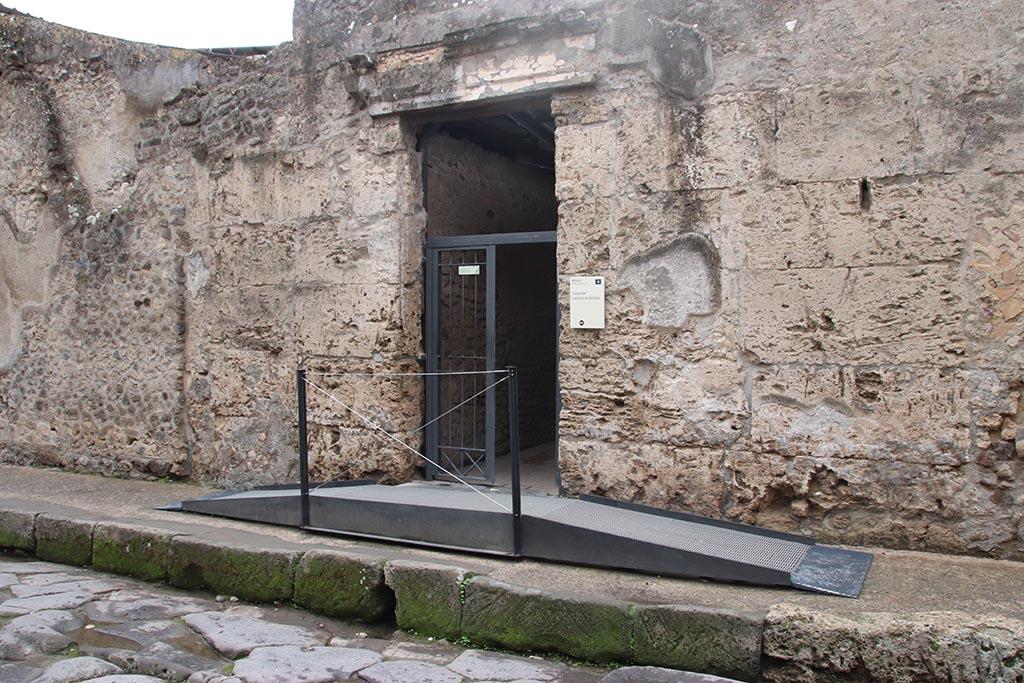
point(589, 531)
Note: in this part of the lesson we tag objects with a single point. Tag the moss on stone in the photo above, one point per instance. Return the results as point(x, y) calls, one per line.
point(17, 530)
point(502, 615)
point(346, 586)
point(257, 574)
point(130, 550)
point(64, 540)
point(427, 597)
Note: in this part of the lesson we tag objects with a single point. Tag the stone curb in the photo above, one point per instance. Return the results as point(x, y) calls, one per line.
point(433, 599)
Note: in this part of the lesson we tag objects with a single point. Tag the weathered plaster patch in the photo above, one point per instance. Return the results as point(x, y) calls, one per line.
point(674, 281)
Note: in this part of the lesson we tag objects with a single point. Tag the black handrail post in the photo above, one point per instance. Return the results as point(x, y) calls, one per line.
point(300, 378)
point(513, 444)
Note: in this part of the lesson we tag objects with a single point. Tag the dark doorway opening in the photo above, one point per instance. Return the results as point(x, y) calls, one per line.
point(489, 186)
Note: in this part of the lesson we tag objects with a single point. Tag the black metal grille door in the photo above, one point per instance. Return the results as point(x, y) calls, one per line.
point(460, 341)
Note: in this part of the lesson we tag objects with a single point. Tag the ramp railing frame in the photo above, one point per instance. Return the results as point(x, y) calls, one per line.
point(512, 378)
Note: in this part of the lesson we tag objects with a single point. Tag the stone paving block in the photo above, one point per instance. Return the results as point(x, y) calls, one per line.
point(404, 672)
point(17, 530)
point(492, 666)
point(130, 550)
point(428, 597)
point(236, 635)
point(163, 661)
point(309, 665)
point(699, 639)
point(96, 586)
point(28, 636)
point(15, 673)
point(77, 669)
point(64, 540)
point(653, 674)
point(342, 585)
point(257, 574)
point(124, 678)
point(126, 606)
point(499, 614)
point(53, 601)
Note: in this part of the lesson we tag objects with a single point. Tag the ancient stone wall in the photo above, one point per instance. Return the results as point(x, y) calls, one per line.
point(808, 215)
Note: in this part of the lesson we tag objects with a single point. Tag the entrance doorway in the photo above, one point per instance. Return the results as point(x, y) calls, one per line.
point(491, 294)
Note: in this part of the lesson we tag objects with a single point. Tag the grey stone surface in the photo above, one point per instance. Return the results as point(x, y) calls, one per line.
point(34, 634)
point(63, 600)
point(492, 666)
point(94, 586)
point(135, 605)
point(721, 642)
point(14, 673)
point(77, 669)
point(125, 678)
point(404, 672)
point(236, 635)
point(653, 674)
point(162, 660)
point(311, 665)
point(433, 653)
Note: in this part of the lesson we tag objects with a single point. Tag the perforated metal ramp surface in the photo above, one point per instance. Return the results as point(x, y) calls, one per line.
point(725, 544)
point(595, 532)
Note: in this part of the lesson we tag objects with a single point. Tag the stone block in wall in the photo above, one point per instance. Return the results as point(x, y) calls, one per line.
point(724, 141)
point(428, 597)
point(64, 539)
point(384, 186)
point(713, 641)
point(507, 616)
point(832, 131)
point(257, 574)
point(877, 315)
point(357, 320)
point(365, 253)
point(280, 187)
point(657, 474)
point(820, 225)
point(973, 114)
point(131, 550)
point(343, 585)
point(588, 226)
point(245, 318)
point(17, 530)
point(911, 414)
point(251, 255)
point(239, 379)
point(585, 164)
point(254, 448)
point(876, 501)
point(807, 645)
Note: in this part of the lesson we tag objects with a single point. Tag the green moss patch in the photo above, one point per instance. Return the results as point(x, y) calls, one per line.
point(130, 550)
point(428, 597)
point(346, 586)
point(501, 615)
point(64, 540)
point(17, 530)
point(257, 574)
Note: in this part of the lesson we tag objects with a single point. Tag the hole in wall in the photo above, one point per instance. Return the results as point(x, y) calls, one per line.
point(865, 194)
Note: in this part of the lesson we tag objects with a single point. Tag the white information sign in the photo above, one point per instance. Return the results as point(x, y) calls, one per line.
point(586, 302)
point(469, 270)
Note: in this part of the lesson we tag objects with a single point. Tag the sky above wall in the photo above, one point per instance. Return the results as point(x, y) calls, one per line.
point(181, 23)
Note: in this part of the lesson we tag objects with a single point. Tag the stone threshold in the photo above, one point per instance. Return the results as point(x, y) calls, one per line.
point(460, 602)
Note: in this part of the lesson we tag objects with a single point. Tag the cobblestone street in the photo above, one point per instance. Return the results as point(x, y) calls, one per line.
point(60, 624)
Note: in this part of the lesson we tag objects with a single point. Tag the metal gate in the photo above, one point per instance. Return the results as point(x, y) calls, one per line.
point(460, 323)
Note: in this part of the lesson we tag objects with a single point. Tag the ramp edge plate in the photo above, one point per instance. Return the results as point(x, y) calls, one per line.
point(834, 571)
